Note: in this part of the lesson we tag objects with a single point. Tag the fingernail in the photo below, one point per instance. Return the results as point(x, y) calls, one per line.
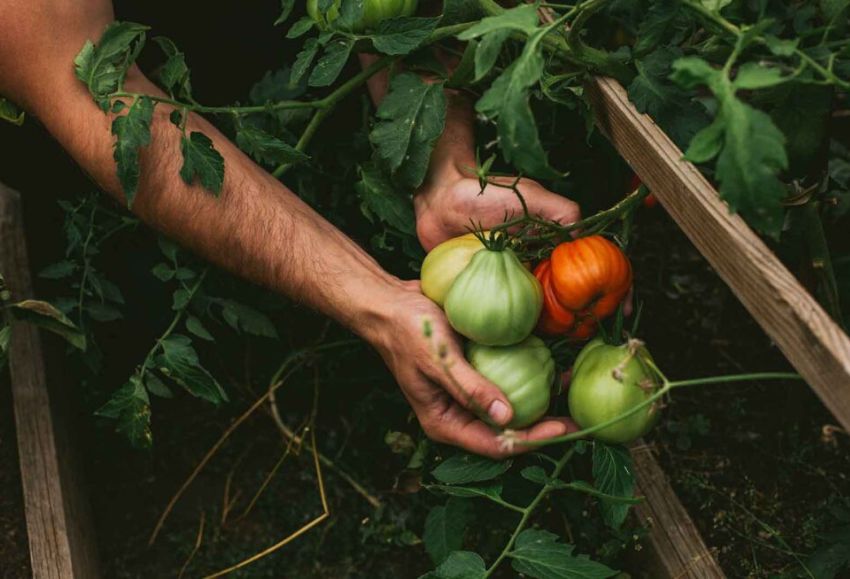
point(499, 412)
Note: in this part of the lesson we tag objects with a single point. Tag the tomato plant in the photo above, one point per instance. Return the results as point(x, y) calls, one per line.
point(608, 381)
point(374, 12)
point(494, 301)
point(524, 372)
point(444, 263)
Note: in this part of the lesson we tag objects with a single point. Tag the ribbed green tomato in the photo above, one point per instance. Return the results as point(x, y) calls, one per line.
point(494, 301)
point(608, 381)
point(374, 12)
point(524, 372)
point(444, 263)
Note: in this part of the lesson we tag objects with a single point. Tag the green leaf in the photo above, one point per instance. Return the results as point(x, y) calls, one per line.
point(535, 474)
point(657, 26)
point(463, 468)
point(331, 63)
point(174, 74)
point(303, 60)
point(382, 200)
point(132, 132)
point(301, 27)
point(47, 317)
point(163, 272)
point(247, 319)
point(130, 407)
point(588, 489)
point(457, 11)
point(488, 52)
point(180, 362)
point(58, 270)
point(102, 66)
point(156, 386)
point(266, 148)
point(445, 527)
point(11, 113)
point(202, 161)
point(492, 490)
point(612, 475)
point(748, 166)
point(195, 326)
point(400, 36)
point(465, 69)
point(691, 71)
point(538, 554)
point(707, 143)
point(779, 46)
point(102, 312)
point(411, 119)
point(286, 7)
point(461, 565)
point(752, 76)
point(522, 19)
point(715, 5)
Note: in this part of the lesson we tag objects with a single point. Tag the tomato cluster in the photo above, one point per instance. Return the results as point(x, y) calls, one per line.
point(583, 282)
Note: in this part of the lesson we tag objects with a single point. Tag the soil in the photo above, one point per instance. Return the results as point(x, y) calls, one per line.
point(14, 553)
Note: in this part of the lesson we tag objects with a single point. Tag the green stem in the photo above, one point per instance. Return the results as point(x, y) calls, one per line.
point(529, 510)
point(233, 110)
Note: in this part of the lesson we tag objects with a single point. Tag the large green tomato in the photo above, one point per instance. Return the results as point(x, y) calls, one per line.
point(374, 12)
point(608, 381)
point(524, 372)
point(494, 301)
point(444, 263)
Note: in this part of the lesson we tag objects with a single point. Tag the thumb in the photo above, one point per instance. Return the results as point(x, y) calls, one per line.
point(475, 393)
point(549, 205)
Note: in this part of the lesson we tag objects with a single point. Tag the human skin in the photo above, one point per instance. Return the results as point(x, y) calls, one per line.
point(257, 227)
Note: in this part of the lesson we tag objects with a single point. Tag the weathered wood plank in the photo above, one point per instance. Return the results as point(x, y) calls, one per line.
point(61, 540)
point(812, 342)
point(676, 548)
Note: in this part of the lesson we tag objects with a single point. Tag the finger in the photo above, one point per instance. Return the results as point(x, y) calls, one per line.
point(544, 203)
point(470, 389)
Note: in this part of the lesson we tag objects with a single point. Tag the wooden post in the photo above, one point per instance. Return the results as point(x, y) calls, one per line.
point(676, 548)
point(809, 338)
point(62, 543)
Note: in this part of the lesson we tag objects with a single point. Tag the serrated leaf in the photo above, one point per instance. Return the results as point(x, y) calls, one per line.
point(779, 46)
point(538, 554)
point(180, 363)
point(333, 60)
point(656, 25)
point(266, 148)
point(445, 527)
point(706, 144)
point(132, 132)
point(463, 468)
point(400, 36)
point(491, 490)
point(522, 19)
point(535, 474)
point(613, 475)
point(58, 270)
point(201, 161)
point(129, 406)
point(48, 317)
point(11, 113)
point(196, 327)
point(384, 201)
point(457, 11)
point(303, 60)
point(752, 76)
point(247, 319)
point(301, 27)
point(102, 66)
point(174, 74)
point(157, 387)
point(411, 119)
point(461, 565)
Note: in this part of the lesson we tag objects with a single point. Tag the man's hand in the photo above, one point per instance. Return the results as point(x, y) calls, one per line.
point(445, 392)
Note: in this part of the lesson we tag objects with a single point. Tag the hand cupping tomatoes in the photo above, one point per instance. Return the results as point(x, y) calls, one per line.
point(608, 381)
point(374, 12)
point(524, 372)
point(583, 282)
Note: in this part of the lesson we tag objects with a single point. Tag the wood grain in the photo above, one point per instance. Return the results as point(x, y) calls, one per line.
point(58, 524)
point(676, 549)
point(812, 342)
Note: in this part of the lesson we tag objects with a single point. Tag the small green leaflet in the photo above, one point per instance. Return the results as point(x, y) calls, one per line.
point(411, 119)
point(266, 148)
point(156, 386)
point(445, 527)
point(715, 5)
point(491, 490)
point(522, 19)
point(753, 76)
point(174, 74)
point(538, 554)
point(180, 362)
point(201, 161)
point(612, 475)
point(286, 7)
point(130, 407)
point(331, 63)
point(102, 66)
point(9, 112)
point(488, 52)
point(196, 327)
point(246, 319)
point(656, 26)
point(58, 270)
point(303, 60)
point(459, 565)
point(301, 27)
point(456, 11)
point(380, 199)
point(50, 318)
point(132, 132)
point(463, 468)
point(400, 36)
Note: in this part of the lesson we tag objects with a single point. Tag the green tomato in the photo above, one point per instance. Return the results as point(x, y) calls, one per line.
point(494, 301)
point(444, 263)
point(524, 372)
point(608, 381)
point(374, 12)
